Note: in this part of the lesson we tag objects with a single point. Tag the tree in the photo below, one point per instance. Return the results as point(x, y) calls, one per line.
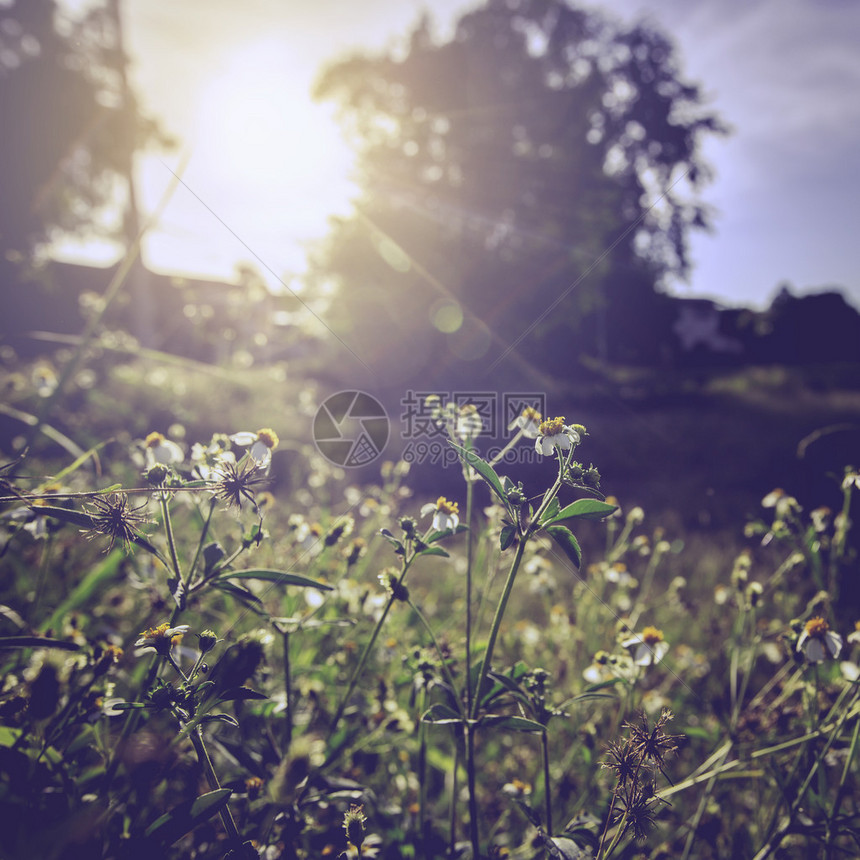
point(534, 175)
point(70, 125)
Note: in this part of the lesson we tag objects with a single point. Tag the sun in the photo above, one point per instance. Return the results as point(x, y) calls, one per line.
point(259, 130)
point(264, 157)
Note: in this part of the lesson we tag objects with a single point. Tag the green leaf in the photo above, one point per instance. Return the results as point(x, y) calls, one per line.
point(486, 471)
point(128, 706)
point(237, 693)
point(565, 538)
point(507, 537)
point(433, 550)
point(441, 715)
point(241, 594)
point(515, 724)
point(37, 642)
point(212, 554)
point(438, 535)
point(583, 509)
point(220, 718)
point(551, 510)
point(181, 819)
point(281, 577)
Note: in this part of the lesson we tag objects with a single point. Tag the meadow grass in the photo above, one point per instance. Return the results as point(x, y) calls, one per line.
point(232, 649)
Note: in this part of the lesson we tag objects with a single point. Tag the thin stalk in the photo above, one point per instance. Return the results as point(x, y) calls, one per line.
point(452, 810)
point(288, 691)
point(840, 789)
point(360, 666)
point(426, 625)
point(500, 456)
point(703, 802)
point(474, 838)
point(469, 555)
point(212, 780)
point(546, 785)
point(494, 629)
point(422, 774)
point(203, 534)
point(171, 540)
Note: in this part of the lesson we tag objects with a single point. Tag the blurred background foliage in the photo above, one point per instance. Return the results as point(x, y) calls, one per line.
point(528, 188)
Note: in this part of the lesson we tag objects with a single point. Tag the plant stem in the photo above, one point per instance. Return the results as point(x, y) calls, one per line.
point(470, 727)
point(546, 785)
point(497, 623)
point(288, 692)
point(469, 548)
point(171, 541)
point(212, 780)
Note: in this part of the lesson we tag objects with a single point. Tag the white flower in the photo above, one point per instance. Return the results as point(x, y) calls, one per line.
point(208, 459)
point(262, 443)
point(446, 515)
point(555, 434)
point(161, 638)
point(817, 641)
point(649, 648)
point(161, 450)
point(528, 422)
point(469, 423)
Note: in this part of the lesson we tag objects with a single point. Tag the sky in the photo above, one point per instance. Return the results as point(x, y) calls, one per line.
point(263, 167)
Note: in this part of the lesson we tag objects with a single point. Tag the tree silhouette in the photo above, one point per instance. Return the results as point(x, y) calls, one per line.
point(70, 125)
point(536, 174)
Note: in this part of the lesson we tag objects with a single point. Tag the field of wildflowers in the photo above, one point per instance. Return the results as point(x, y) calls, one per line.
point(222, 645)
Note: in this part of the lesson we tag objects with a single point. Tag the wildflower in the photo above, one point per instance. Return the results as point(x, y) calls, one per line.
point(354, 551)
point(104, 658)
point(517, 788)
point(253, 787)
point(207, 458)
point(623, 760)
point(44, 379)
point(237, 482)
point(207, 641)
point(112, 516)
point(554, 434)
point(652, 744)
point(821, 519)
point(354, 821)
point(851, 480)
point(340, 530)
point(650, 648)
point(469, 424)
point(446, 515)
point(854, 636)
point(389, 579)
point(161, 450)
point(261, 443)
point(783, 504)
point(527, 422)
point(161, 638)
point(817, 640)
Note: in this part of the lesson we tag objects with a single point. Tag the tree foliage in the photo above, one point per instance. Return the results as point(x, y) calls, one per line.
point(70, 125)
point(538, 170)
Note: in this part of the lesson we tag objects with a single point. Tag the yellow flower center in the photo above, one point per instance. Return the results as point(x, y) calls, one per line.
point(552, 426)
point(651, 635)
point(531, 414)
point(268, 437)
point(154, 439)
point(816, 628)
point(159, 632)
point(443, 506)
